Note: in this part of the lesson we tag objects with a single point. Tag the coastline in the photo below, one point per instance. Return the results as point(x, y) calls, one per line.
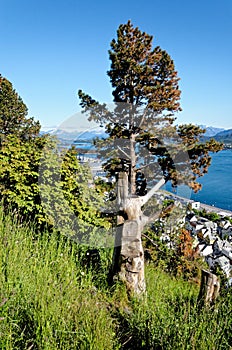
point(209, 208)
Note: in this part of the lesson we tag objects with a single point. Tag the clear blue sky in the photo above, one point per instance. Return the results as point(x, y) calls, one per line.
point(50, 49)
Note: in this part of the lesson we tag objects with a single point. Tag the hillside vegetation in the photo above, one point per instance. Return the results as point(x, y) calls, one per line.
point(49, 299)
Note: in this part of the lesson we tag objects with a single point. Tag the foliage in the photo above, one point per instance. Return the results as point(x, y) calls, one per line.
point(37, 180)
point(198, 152)
point(13, 114)
point(214, 217)
point(19, 175)
point(84, 201)
point(228, 219)
point(170, 246)
point(142, 135)
point(187, 262)
point(47, 187)
point(67, 197)
point(168, 202)
point(140, 75)
point(20, 153)
point(79, 189)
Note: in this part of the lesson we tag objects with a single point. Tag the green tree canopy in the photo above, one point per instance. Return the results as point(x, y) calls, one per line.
point(13, 113)
point(38, 180)
point(141, 129)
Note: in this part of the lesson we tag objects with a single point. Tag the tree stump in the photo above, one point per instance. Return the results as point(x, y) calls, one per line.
point(209, 289)
point(132, 258)
point(128, 256)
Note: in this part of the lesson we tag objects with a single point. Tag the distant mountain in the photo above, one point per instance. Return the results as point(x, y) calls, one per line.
point(47, 130)
point(219, 134)
point(210, 130)
point(90, 135)
point(71, 136)
point(224, 136)
point(63, 135)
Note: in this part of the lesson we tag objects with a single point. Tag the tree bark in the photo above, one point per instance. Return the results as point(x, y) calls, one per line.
point(132, 165)
point(131, 259)
point(128, 256)
point(209, 289)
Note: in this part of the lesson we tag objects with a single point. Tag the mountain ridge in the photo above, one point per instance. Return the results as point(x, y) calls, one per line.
point(224, 136)
point(219, 134)
point(211, 130)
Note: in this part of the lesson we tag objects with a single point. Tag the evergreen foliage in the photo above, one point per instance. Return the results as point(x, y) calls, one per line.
point(142, 134)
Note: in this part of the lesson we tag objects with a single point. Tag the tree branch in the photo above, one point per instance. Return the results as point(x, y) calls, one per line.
point(148, 219)
point(121, 150)
point(152, 242)
point(154, 189)
point(145, 166)
point(142, 119)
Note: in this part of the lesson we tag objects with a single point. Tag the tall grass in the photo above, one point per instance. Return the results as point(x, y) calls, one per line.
point(50, 300)
point(170, 318)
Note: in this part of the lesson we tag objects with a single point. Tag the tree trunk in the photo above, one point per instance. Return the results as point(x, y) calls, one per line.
point(209, 289)
point(131, 259)
point(128, 257)
point(132, 165)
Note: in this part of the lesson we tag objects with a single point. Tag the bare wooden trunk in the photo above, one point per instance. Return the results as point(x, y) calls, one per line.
point(131, 258)
point(128, 257)
point(209, 289)
point(132, 166)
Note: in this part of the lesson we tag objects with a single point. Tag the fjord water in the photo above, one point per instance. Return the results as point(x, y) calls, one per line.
point(216, 184)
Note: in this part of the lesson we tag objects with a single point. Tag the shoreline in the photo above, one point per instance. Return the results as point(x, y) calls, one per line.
point(207, 207)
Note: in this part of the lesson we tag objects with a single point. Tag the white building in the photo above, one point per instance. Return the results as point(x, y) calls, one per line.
point(196, 205)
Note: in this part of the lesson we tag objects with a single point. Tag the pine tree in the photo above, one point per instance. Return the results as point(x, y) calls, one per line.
point(143, 140)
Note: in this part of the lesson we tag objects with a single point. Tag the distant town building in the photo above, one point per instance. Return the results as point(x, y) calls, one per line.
point(196, 205)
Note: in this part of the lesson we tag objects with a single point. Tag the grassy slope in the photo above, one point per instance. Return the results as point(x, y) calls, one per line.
point(48, 300)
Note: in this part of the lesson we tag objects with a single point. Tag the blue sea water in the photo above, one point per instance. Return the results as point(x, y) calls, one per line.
point(216, 184)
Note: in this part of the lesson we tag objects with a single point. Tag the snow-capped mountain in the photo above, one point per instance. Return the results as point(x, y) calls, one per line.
point(90, 135)
point(47, 130)
point(83, 134)
point(71, 135)
point(210, 130)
